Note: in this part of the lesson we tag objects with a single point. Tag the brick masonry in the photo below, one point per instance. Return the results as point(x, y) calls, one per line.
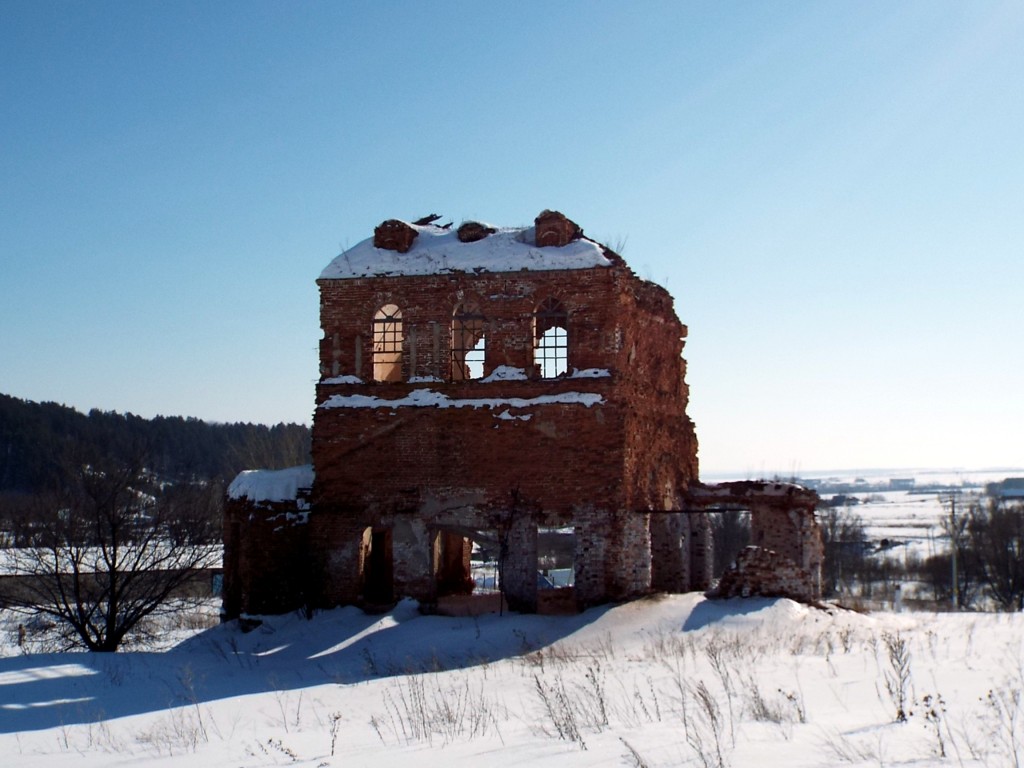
point(408, 471)
point(786, 551)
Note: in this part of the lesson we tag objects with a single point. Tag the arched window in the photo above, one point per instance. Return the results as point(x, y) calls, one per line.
point(469, 343)
point(551, 339)
point(387, 344)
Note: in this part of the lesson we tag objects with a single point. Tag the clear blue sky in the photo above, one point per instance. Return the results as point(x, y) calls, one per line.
point(832, 191)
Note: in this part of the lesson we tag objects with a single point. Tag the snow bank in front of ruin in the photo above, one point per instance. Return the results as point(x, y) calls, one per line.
point(271, 484)
point(439, 251)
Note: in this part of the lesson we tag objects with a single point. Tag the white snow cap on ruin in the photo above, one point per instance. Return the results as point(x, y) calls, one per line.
point(271, 484)
point(436, 250)
point(428, 398)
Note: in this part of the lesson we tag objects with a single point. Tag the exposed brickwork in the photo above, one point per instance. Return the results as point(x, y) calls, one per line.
point(786, 550)
point(264, 556)
point(472, 231)
point(553, 228)
point(394, 235)
point(759, 571)
point(408, 471)
point(593, 468)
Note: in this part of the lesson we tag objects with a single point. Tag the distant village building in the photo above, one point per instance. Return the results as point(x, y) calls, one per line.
point(515, 392)
point(1012, 488)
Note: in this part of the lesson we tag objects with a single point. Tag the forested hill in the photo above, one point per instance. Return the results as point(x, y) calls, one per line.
point(38, 439)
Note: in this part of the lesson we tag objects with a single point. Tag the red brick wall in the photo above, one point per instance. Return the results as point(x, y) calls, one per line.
point(265, 566)
point(593, 467)
point(423, 473)
point(507, 300)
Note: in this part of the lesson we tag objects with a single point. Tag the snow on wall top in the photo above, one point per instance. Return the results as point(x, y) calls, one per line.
point(428, 398)
point(439, 251)
point(271, 484)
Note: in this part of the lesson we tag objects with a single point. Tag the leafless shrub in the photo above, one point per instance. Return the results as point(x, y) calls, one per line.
point(846, 639)
point(703, 726)
point(277, 746)
point(186, 679)
point(669, 644)
point(596, 688)
point(637, 705)
point(176, 734)
point(783, 707)
point(415, 711)
point(933, 709)
point(335, 726)
point(559, 709)
point(573, 708)
point(717, 653)
point(1006, 718)
point(897, 675)
point(638, 761)
point(845, 750)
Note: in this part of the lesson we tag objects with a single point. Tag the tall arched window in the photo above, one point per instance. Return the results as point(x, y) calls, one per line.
point(469, 343)
point(551, 339)
point(387, 344)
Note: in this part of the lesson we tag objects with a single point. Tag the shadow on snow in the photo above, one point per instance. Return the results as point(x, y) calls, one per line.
point(711, 611)
point(341, 646)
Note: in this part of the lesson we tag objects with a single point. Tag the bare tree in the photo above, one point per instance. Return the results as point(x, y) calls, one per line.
point(110, 549)
point(730, 532)
point(962, 566)
point(996, 533)
point(845, 544)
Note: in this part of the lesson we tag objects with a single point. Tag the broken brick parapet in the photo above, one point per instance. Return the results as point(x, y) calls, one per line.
point(745, 492)
point(394, 235)
point(553, 228)
point(765, 573)
point(782, 522)
point(264, 561)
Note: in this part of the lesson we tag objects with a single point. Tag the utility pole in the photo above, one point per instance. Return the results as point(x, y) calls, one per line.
point(954, 536)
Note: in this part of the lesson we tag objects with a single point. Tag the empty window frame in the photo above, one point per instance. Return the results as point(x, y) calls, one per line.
point(469, 344)
point(387, 344)
point(556, 557)
point(551, 339)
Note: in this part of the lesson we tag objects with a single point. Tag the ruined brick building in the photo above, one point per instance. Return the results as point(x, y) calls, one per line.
point(499, 389)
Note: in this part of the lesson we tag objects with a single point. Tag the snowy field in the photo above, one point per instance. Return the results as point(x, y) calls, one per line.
point(665, 681)
point(910, 521)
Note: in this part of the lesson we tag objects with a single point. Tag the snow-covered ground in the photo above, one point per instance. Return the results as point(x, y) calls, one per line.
point(909, 521)
point(664, 681)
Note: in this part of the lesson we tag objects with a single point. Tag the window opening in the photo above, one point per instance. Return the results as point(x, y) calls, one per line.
point(485, 558)
point(387, 344)
point(454, 564)
point(469, 344)
point(556, 558)
point(378, 567)
point(551, 339)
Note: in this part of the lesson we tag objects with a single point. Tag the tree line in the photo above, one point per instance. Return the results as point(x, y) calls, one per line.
point(36, 438)
point(108, 520)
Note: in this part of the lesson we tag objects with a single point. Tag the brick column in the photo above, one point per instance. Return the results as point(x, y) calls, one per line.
point(520, 571)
